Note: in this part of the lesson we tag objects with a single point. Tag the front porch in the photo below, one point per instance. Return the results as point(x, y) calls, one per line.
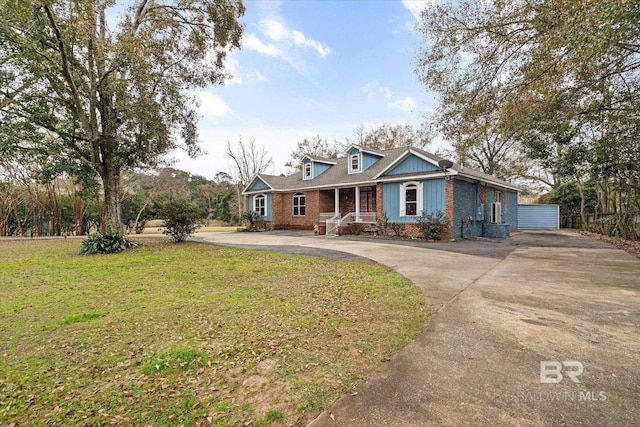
point(343, 206)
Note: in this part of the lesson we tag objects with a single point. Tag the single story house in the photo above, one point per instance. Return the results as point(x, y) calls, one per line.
point(400, 183)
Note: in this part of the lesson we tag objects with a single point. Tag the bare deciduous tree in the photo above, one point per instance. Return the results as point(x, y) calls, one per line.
point(248, 161)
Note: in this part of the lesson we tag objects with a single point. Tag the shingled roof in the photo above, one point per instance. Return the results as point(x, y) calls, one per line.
point(338, 175)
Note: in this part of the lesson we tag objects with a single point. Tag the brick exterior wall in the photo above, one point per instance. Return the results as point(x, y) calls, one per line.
point(347, 200)
point(379, 210)
point(282, 208)
point(276, 211)
point(327, 201)
point(411, 229)
point(483, 194)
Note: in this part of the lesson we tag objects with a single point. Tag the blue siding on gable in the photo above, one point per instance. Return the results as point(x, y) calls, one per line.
point(433, 199)
point(413, 164)
point(318, 168)
point(267, 217)
point(368, 160)
point(259, 185)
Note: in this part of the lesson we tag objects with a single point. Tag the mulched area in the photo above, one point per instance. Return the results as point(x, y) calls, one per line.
point(630, 246)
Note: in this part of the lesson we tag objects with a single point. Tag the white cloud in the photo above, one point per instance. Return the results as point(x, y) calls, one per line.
point(238, 75)
point(407, 104)
point(212, 105)
point(375, 88)
point(232, 66)
point(258, 76)
point(417, 6)
point(277, 31)
point(300, 40)
point(273, 29)
point(252, 42)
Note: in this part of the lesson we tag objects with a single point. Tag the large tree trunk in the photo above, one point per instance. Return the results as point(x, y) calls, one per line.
point(583, 216)
point(113, 208)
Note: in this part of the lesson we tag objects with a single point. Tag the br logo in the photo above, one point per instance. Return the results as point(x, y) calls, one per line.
point(551, 372)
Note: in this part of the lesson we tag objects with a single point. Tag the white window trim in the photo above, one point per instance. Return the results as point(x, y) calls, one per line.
point(419, 199)
point(358, 156)
point(255, 198)
point(496, 213)
point(304, 171)
point(293, 204)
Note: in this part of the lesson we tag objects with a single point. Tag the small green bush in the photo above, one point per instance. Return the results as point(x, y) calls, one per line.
point(252, 217)
point(180, 219)
point(397, 228)
point(261, 225)
point(108, 243)
point(433, 225)
point(382, 223)
point(356, 228)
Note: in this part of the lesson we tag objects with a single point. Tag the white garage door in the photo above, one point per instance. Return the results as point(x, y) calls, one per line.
point(538, 216)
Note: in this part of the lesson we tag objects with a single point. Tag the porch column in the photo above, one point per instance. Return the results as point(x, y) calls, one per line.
point(336, 202)
point(357, 204)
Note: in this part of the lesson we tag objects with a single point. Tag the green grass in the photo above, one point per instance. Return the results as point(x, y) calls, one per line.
point(84, 317)
point(190, 334)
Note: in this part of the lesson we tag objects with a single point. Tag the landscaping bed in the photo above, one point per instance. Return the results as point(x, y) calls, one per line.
point(630, 246)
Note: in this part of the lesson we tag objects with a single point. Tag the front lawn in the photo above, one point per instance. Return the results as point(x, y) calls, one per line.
point(190, 334)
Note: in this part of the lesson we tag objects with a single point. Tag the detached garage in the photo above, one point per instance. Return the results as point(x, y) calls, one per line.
point(538, 216)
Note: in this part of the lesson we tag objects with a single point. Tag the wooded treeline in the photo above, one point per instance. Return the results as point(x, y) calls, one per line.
point(545, 93)
point(35, 205)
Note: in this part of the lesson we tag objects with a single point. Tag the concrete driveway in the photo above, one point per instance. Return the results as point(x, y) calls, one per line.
point(501, 309)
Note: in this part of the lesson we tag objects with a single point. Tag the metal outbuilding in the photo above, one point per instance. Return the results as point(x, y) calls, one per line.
point(538, 216)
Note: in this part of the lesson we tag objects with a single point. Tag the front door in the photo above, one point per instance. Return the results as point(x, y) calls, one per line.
point(366, 200)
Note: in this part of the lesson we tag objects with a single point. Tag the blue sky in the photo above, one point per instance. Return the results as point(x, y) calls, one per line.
point(311, 67)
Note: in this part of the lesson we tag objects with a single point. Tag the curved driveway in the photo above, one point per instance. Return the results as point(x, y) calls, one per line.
point(501, 307)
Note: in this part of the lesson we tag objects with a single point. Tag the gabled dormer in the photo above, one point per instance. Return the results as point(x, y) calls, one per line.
point(314, 166)
point(257, 184)
point(360, 159)
point(413, 161)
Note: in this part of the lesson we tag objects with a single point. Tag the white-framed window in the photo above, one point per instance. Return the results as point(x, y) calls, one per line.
point(354, 163)
point(411, 199)
point(299, 204)
point(307, 170)
point(496, 213)
point(260, 204)
point(496, 207)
